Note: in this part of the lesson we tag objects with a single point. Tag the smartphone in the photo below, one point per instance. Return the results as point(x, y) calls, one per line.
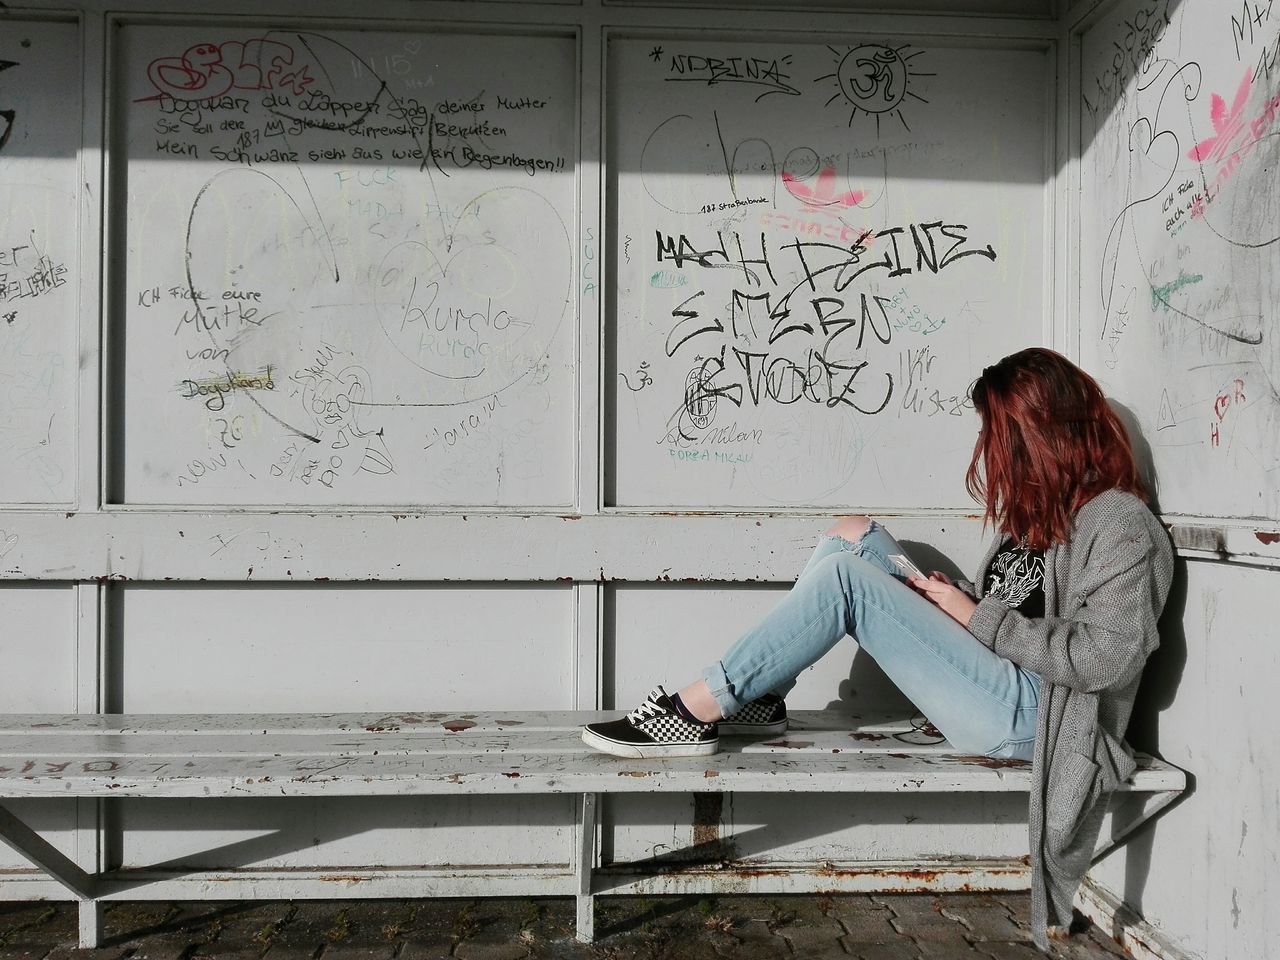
point(907, 568)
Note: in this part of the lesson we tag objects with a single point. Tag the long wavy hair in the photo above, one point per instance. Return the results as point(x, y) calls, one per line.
point(1049, 444)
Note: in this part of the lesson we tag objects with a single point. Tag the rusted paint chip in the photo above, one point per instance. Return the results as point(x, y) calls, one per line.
point(1267, 537)
point(633, 773)
point(392, 722)
point(869, 736)
point(992, 763)
point(790, 744)
point(511, 775)
point(708, 774)
point(457, 726)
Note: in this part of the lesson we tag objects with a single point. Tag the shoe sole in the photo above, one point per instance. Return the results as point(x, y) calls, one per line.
point(638, 751)
point(752, 729)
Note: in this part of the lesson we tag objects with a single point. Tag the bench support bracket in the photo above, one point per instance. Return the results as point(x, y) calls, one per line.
point(586, 852)
point(29, 844)
point(1160, 802)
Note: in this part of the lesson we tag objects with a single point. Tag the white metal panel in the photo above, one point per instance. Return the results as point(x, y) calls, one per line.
point(1208, 706)
point(38, 648)
point(816, 828)
point(1179, 276)
point(229, 649)
point(40, 262)
point(326, 648)
point(332, 832)
point(1008, 8)
point(38, 654)
point(264, 545)
point(816, 253)
point(351, 266)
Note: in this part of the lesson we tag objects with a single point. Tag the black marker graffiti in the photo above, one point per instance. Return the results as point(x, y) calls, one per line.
point(739, 70)
point(875, 79)
point(814, 342)
point(642, 378)
point(1134, 53)
point(7, 117)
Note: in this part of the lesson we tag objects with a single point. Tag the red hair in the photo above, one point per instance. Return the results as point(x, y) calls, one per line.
point(1049, 444)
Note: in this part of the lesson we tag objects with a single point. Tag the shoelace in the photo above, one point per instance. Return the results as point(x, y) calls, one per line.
point(645, 711)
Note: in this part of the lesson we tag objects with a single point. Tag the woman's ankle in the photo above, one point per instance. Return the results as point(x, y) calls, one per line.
point(697, 699)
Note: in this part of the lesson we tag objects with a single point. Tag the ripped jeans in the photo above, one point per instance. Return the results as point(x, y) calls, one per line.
point(981, 702)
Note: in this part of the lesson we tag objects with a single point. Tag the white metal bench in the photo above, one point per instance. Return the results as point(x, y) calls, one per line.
point(441, 754)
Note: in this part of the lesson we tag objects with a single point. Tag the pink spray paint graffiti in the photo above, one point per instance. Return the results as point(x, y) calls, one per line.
point(1234, 138)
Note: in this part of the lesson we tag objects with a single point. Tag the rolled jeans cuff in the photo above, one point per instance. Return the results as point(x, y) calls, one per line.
point(717, 682)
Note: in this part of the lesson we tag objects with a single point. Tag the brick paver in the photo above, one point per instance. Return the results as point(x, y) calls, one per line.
point(920, 917)
point(813, 936)
point(861, 927)
point(359, 951)
point(1019, 907)
point(35, 924)
point(985, 917)
point(863, 920)
point(1010, 951)
point(901, 950)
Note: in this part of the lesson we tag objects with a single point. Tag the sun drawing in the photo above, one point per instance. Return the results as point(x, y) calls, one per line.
point(875, 79)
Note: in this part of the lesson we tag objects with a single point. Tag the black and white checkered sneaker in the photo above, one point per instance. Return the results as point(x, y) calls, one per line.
point(653, 729)
point(763, 716)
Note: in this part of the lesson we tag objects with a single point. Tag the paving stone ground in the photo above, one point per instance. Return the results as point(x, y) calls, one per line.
point(876, 927)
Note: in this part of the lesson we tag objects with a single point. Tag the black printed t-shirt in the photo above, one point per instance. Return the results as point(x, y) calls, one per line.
point(1016, 576)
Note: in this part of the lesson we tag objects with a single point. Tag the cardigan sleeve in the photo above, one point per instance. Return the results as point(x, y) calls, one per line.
point(1102, 644)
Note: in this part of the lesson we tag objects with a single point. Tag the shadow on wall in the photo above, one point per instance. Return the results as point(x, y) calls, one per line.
point(1159, 686)
point(1141, 451)
point(1163, 673)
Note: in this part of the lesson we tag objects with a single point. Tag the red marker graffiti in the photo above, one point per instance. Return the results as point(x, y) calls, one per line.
point(208, 70)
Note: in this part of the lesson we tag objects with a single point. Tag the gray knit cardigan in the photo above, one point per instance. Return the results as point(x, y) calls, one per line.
point(1103, 593)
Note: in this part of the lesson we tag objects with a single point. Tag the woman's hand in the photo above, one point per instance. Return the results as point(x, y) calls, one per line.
point(939, 591)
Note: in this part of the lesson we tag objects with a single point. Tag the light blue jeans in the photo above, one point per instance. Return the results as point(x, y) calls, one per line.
point(981, 702)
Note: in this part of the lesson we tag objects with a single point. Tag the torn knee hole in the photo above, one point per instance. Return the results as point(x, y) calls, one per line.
point(852, 529)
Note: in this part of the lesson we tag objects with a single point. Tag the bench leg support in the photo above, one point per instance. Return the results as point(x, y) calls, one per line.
point(27, 843)
point(90, 924)
point(1158, 805)
point(586, 866)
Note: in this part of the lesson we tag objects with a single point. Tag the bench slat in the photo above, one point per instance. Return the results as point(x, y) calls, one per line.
point(498, 774)
point(562, 741)
point(319, 724)
point(501, 753)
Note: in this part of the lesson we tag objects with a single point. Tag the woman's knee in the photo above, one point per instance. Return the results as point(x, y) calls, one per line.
point(852, 529)
point(853, 574)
